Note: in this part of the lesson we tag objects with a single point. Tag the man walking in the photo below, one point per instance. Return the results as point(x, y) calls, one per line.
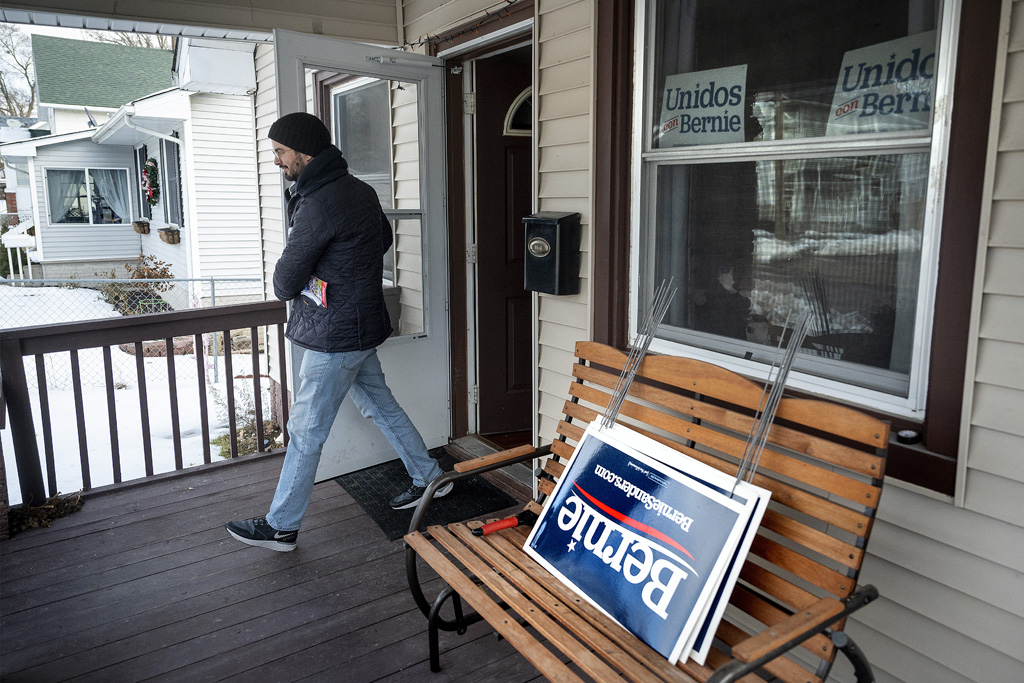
point(331, 269)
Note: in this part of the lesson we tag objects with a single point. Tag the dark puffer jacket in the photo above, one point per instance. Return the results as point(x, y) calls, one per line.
point(339, 234)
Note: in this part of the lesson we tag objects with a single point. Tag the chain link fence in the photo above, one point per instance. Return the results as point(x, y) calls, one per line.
point(32, 302)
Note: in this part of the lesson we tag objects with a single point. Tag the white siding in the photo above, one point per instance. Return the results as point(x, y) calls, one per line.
point(223, 191)
point(69, 242)
point(564, 52)
point(271, 203)
point(405, 145)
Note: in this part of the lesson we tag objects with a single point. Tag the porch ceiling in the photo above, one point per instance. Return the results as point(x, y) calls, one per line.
point(42, 18)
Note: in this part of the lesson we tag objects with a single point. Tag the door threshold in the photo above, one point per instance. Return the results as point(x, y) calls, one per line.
point(515, 480)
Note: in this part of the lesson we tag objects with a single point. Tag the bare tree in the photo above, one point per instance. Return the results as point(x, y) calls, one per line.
point(132, 39)
point(17, 77)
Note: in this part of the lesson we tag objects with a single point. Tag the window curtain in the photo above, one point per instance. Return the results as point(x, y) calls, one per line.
point(62, 190)
point(113, 187)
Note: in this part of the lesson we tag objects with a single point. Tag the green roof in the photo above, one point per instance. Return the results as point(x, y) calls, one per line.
point(92, 74)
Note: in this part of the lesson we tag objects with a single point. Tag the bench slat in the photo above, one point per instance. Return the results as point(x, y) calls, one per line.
point(769, 614)
point(785, 670)
point(855, 491)
point(469, 553)
point(510, 542)
point(711, 380)
point(821, 448)
point(767, 640)
point(562, 449)
point(781, 589)
point(485, 460)
point(807, 503)
point(535, 585)
point(818, 541)
point(803, 566)
point(536, 653)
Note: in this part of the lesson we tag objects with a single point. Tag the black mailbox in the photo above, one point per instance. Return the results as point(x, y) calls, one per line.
point(552, 252)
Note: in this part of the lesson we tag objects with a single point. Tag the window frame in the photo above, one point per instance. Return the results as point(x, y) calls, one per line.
point(125, 220)
point(647, 159)
point(140, 156)
point(329, 89)
point(171, 184)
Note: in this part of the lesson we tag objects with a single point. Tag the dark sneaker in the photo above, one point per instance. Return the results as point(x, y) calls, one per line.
point(410, 498)
point(258, 532)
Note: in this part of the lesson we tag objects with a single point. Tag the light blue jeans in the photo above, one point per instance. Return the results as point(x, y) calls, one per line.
point(324, 380)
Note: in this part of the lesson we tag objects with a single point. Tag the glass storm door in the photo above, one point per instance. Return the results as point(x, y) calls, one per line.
point(386, 115)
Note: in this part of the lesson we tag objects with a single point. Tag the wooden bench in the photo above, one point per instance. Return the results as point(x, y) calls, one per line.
point(823, 465)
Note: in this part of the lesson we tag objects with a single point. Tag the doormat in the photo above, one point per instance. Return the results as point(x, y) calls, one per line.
point(374, 487)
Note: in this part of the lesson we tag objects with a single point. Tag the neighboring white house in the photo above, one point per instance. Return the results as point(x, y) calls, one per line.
point(86, 187)
point(71, 98)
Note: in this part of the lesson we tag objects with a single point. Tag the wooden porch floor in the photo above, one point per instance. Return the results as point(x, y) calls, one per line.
point(144, 584)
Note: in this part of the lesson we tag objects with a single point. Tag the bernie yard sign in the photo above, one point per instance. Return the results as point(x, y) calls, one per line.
point(648, 543)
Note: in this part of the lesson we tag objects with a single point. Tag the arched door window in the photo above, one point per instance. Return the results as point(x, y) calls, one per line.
point(519, 119)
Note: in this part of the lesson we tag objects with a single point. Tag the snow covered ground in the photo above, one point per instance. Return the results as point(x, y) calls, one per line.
point(22, 306)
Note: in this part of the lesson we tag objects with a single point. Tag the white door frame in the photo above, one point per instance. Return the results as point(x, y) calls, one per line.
point(523, 29)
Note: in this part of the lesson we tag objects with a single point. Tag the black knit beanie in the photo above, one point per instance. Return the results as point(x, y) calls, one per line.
point(302, 132)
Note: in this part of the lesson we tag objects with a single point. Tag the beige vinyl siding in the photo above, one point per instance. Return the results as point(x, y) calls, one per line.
point(224, 192)
point(951, 576)
point(76, 242)
point(993, 423)
point(430, 17)
point(564, 54)
point(405, 145)
point(366, 20)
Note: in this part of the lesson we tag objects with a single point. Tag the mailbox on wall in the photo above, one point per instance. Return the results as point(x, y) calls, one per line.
point(552, 252)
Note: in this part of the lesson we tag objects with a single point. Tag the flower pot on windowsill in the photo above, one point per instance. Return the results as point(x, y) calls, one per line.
point(170, 235)
point(141, 227)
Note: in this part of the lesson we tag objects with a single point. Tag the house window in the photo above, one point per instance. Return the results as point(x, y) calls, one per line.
point(140, 161)
point(90, 196)
point(786, 150)
point(171, 182)
point(362, 131)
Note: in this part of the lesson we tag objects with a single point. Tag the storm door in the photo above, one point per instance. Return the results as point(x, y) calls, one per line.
point(387, 118)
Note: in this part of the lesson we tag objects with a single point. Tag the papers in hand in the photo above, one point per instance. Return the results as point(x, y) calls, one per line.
point(316, 291)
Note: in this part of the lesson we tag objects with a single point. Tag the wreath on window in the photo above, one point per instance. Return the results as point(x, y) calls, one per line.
point(150, 182)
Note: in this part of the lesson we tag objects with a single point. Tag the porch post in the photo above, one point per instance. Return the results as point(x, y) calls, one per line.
point(23, 433)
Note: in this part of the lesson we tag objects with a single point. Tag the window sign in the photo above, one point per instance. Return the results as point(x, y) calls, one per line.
point(885, 87)
point(703, 107)
point(799, 211)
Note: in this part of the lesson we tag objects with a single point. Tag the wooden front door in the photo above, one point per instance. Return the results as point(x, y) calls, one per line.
point(503, 197)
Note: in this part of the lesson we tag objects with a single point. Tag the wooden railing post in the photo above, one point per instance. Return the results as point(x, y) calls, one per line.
point(23, 431)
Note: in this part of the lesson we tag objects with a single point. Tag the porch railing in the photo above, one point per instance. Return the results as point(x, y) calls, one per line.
point(19, 343)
